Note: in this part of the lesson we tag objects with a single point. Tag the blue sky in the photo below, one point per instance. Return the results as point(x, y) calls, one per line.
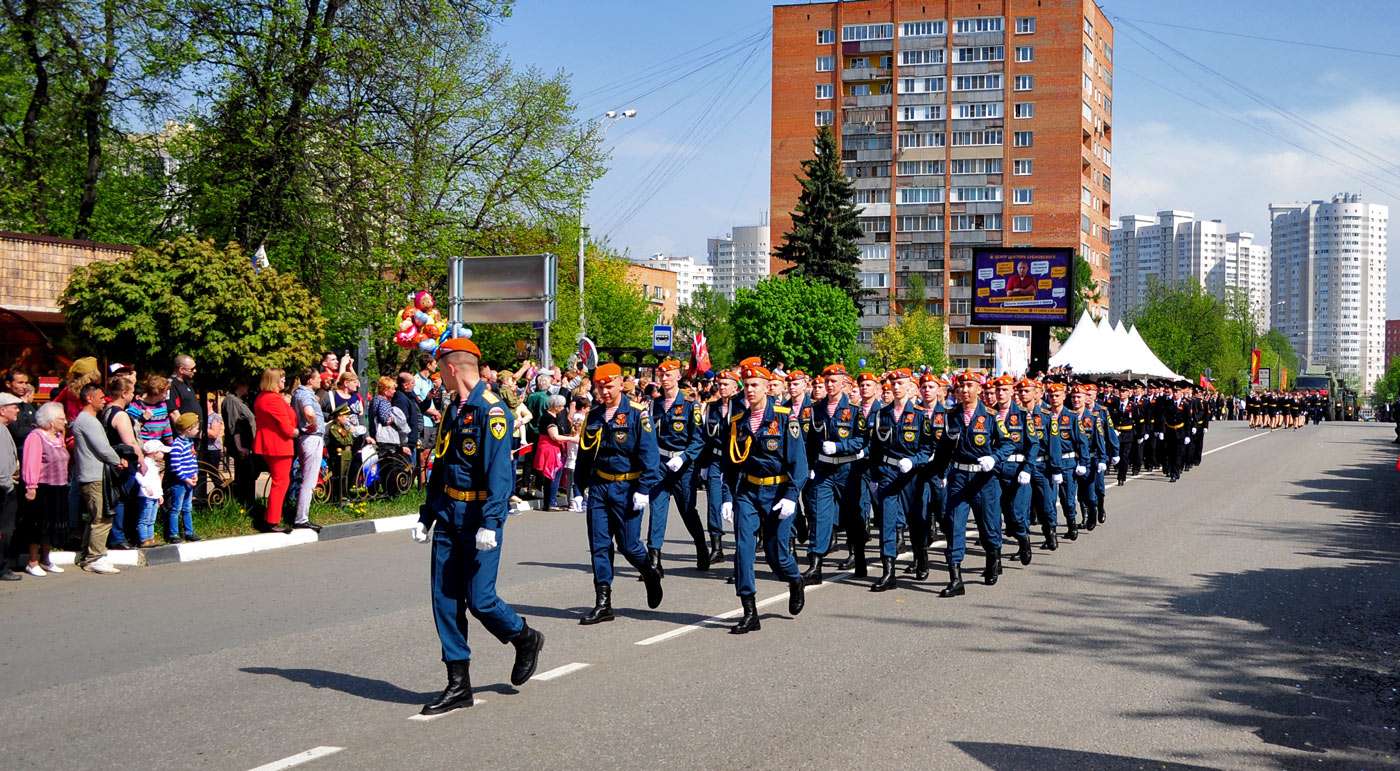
point(694, 162)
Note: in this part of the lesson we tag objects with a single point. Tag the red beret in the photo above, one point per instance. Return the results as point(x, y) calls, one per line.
point(867, 377)
point(902, 372)
point(795, 375)
point(606, 372)
point(833, 369)
point(668, 365)
point(454, 344)
point(968, 376)
point(1002, 380)
point(756, 371)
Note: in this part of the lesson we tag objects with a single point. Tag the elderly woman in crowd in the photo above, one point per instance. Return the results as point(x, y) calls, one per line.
point(276, 430)
point(44, 469)
point(389, 426)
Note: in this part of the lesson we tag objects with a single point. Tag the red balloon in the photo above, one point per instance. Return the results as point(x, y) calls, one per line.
point(424, 300)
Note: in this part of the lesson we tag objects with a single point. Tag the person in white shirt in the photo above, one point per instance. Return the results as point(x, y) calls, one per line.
point(150, 490)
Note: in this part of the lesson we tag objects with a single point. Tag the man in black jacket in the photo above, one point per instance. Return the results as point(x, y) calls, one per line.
point(407, 402)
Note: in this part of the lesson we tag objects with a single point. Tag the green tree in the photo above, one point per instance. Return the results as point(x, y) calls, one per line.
point(708, 311)
point(797, 321)
point(915, 337)
point(1387, 388)
point(1185, 326)
point(822, 242)
point(188, 296)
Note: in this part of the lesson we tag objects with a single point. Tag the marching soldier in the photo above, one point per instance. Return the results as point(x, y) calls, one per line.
point(1171, 432)
point(903, 439)
point(468, 501)
point(933, 475)
point(765, 469)
point(858, 527)
point(1069, 468)
point(715, 429)
point(1108, 437)
point(1088, 491)
point(977, 446)
point(799, 399)
point(1014, 471)
point(679, 440)
point(1040, 424)
point(1122, 416)
point(838, 435)
point(617, 464)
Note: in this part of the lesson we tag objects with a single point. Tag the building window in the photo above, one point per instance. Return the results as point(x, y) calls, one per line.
point(825, 36)
point(976, 194)
point(826, 63)
point(874, 224)
point(976, 166)
point(978, 24)
point(1025, 109)
point(921, 112)
point(1021, 224)
point(857, 32)
point(1023, 139)
point(1024, 82)
point(875, 195)
point(974, 110)
point(1021, 195)
point(932, 223)
point(1025, 53)
point(921, 195)
point(875, 280)
point(1021, 167)
point(917, 56)
point(913, 168)
point(970, 138)
point(977, 82)
point(1025, 25)
point(824, 91)
point(981, 54)
point(922, 28)
point(920, 85)
point(824, 117)
point(920, 139)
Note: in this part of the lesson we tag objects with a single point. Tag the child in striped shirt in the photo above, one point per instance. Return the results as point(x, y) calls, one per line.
point(185, 470)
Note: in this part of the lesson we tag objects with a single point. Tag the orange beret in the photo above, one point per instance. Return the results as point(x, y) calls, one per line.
point(751, 362)
point(1026, 382)
point(929, 377)
point(796, 375)
point(756, 371)
point(1055, 387)
point(867, 376)
point(729, 374)
point(454, 344)
point(902, 372)
point(668, 365)
point(606, 372)
point(833, 369)
point(1083, 388)
point(1002, 380)
point(968, 376)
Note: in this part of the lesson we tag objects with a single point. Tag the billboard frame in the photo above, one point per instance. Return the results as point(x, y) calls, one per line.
point(1029, 251)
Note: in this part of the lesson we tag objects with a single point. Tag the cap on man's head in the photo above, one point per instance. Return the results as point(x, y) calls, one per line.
point(606, 372)
point(1027, 382)
point(455, 344)
point(668, 365)
point(1055, 387)
point(903, 373)
point(866, 376)
point(1002, 380)
point(796, 375)
point(968, 376)
point(756, 371)
point(929, 377)
point(750, 362)
point(832, 370)
point(6, 399)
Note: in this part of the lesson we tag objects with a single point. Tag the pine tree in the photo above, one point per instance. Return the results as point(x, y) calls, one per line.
point(822, 242)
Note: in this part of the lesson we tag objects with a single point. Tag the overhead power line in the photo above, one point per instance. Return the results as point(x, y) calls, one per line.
point(1264, 38)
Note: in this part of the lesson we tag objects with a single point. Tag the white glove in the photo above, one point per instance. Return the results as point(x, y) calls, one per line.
point(1143, 439)
point(785, 508)
point(1103, 467)
point(1116, 458)
point(1193, 430)
point(726, 513)
point(1023, 477)
point(674, 463)
point(811, 475)
point(1187, 440)
point(828, 448)
point(1205, 429)
point(1159, 436)
point(940, 482)
point(1080, 471)
point(419, 533)
point(1058, 479)
point(986, 463)
point(578, 502)
point(485, 539)
point(905, 465)
point(640, 501)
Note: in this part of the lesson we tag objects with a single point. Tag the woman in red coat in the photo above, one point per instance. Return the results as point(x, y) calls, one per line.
point(277, 428)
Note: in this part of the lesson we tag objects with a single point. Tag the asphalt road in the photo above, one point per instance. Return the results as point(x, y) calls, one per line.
point(1248, 616)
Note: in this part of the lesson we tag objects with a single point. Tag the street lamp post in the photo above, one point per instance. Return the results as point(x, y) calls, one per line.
point(609, 118)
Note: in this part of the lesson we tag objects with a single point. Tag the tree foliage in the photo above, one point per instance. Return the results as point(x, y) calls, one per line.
point(1186, 327)
point(915, 337)
point(708, 311)
point(190, 297)
point(822, 242)
point(1387, 388)
point(796, 321)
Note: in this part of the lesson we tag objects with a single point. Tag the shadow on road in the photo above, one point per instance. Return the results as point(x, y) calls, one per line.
point(1007, 756)
point(363, 687)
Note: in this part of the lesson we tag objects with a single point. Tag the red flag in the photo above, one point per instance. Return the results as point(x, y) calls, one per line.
point(1206, 384)
point(1254, 358)
point(699, 354)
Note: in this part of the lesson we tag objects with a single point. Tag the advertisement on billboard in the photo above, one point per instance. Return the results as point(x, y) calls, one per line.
point(1022, 286)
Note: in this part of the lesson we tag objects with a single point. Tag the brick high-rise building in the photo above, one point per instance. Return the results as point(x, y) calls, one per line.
point(961, 122)
point(1392, 340)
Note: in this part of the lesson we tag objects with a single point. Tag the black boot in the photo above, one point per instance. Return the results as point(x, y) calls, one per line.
point(749, 621)
point(955, 586)
point(602, 605)
point(654, 559)
point(652, 577)
point(1023, 550)
point(528, 644)
point(1073, 534)
point(1091, 518)
point(886, 581)
point(813, 574)
point(899, 534)
point(1051, 541)
point(993, 569)
point(1103, 515)
point(797, 597)
point(861, 570)
point(920, 563)
point(716, 549)
point(458, 693)
point(702, 555)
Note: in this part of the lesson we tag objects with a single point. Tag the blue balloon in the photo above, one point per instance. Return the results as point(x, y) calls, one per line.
point(862, 362)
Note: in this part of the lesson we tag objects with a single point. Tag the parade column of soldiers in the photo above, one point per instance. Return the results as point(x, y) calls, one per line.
point(1008, 453)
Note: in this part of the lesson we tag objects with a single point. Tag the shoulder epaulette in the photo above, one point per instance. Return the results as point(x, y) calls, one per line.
point(489, 397)
point(780, 410)
point(636, 405)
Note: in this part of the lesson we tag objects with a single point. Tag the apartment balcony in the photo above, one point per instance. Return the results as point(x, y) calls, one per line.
point(966, 349)
point(960, 320)
point(874, 100)
point(865, 73)
point(857, 47)
point(959, 264)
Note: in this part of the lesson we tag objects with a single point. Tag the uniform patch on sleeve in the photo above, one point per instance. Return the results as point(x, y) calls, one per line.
point(490, 397)
point(794, 429)
point(497, 423)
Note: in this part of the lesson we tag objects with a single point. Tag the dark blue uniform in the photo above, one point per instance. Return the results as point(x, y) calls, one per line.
point(760, 469)
point(830, 494)
point(1090, 424)
point(908, 435)
point(617, 458)
point(678, 435)
point(470, 487)
point(1074, 450)
point(714, 429)
point(1044, 466)
point(971, 490)
point(935, 473)
point(1016, 497)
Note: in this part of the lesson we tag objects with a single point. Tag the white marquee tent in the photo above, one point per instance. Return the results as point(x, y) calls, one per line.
point(1102, 349)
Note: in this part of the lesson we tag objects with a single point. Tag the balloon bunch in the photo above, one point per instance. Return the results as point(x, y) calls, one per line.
point(422, 326)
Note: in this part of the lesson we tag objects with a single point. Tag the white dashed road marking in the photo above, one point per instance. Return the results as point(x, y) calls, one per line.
point(299, 758)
